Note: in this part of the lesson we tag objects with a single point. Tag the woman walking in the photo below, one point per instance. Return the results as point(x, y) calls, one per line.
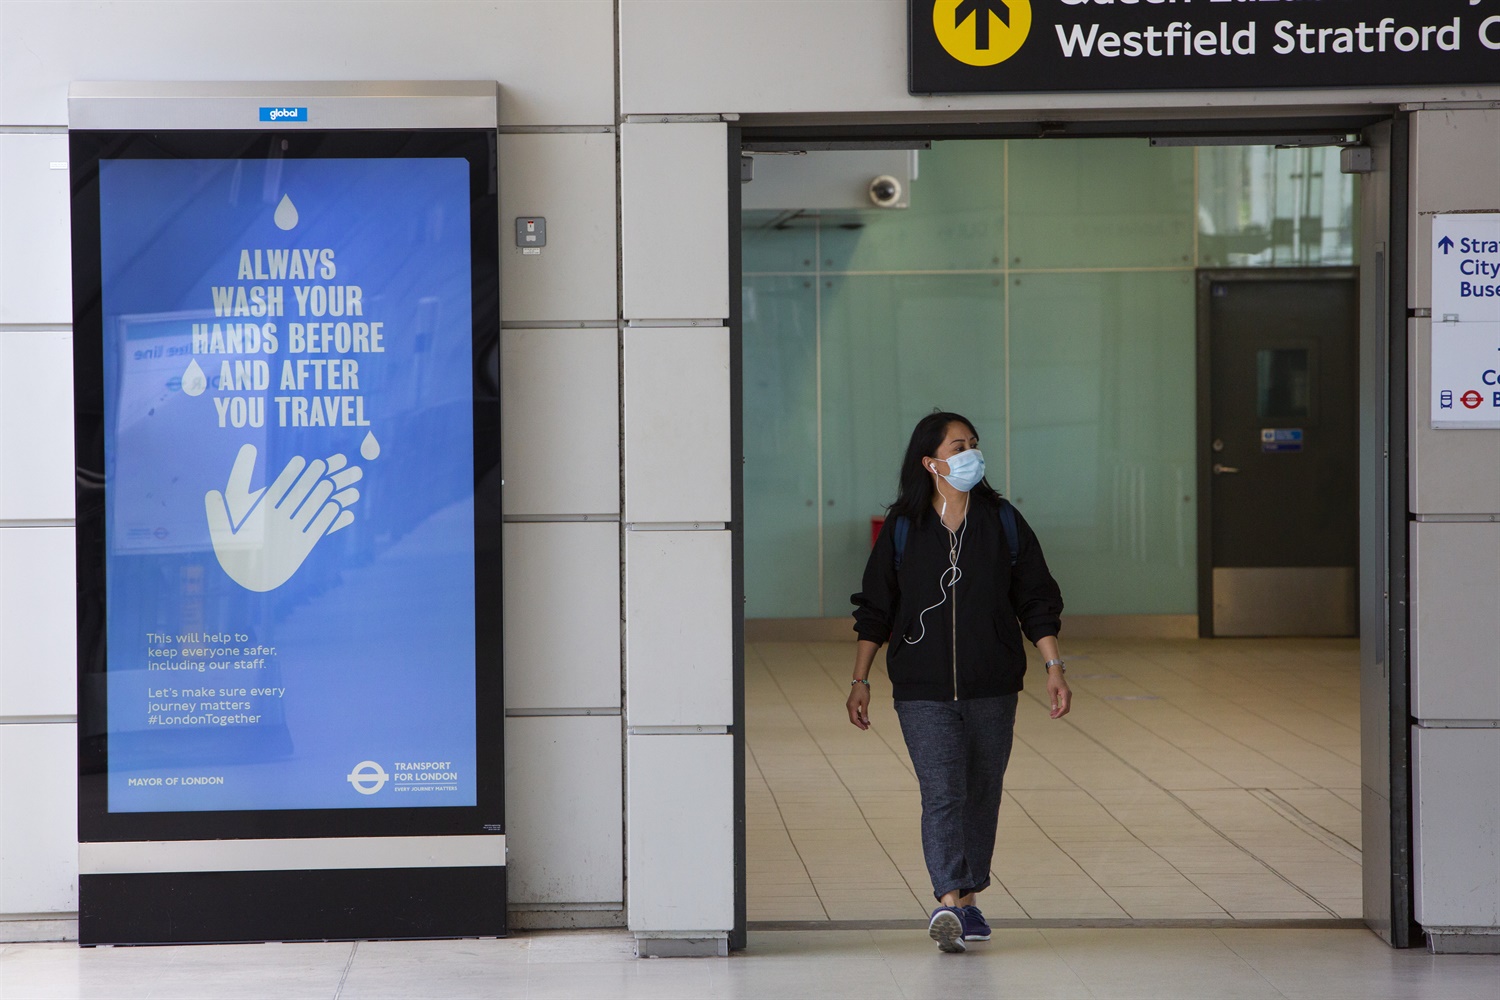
point(956, 577)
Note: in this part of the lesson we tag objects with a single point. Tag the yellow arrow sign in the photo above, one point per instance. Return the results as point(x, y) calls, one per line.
point(982, 32)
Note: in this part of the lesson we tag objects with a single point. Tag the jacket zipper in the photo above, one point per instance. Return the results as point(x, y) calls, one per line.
point(953, 646)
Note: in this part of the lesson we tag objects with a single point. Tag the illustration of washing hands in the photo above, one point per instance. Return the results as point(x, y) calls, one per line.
point(262, 537)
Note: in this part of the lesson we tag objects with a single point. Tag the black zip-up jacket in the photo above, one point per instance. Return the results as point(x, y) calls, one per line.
point(978, 652)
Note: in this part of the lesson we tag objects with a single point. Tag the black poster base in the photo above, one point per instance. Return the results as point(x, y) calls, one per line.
point(233, 907)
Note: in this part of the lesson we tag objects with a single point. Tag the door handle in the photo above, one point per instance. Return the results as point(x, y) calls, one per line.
point(1222, 470)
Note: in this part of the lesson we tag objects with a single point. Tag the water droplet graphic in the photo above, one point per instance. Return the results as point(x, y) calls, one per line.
point(193, 380)
point(286, 213)
point(369, 447)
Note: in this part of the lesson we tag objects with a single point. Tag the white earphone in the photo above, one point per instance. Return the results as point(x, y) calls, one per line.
point(950, 576)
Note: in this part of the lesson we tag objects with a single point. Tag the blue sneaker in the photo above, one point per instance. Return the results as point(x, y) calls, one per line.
point(947, 928)
point(975, 927)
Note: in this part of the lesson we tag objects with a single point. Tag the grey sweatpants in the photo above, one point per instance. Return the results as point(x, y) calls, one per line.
point(960, 750)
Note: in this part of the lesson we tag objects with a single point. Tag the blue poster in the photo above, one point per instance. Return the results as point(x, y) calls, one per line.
point(289, 461)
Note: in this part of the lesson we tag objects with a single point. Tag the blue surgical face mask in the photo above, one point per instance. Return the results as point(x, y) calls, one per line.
point(965, 470)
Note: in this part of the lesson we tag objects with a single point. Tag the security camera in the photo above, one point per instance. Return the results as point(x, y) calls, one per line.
point(885, 191)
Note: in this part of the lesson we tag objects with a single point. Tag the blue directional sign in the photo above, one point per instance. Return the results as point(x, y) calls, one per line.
point(1465, 288)
point(1466, 268)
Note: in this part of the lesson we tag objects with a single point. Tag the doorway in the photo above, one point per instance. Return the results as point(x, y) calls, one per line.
point(1137, 515)
point(1278, 432)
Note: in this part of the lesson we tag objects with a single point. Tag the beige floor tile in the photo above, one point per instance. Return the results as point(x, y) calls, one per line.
point(1068, 908)
point(1231, 759)
point(864, 910)
point(1060, 883)
point(1315, 913)
point(1136, 900)
point(765, 908)
point(1160, 876)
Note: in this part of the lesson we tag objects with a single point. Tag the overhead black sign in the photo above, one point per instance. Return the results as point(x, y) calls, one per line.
point(1020, 46)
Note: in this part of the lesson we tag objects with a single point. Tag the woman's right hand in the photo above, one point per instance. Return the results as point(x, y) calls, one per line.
point(859, 705)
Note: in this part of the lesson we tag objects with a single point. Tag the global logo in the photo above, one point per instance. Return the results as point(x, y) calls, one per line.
point(283, 114)
point(368, 777)
point(981, 32)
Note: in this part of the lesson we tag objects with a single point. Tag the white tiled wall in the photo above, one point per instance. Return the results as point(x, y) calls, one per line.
point(562, 402)
point(37, 626)
point(38, 661)
point(677, 424)
point(1456, 569)
point(560, 396)
point(680, 815)
point(679, 628)
point(34, 236)
point(674, 220)
point(555, 62)
point(569, 179)
point(563, 805)
point(1457, 816)
point(562, 615)
point(38, 818)
point(679, 618)
point(36, 425)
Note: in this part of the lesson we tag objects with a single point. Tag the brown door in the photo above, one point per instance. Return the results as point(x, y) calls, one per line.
point(1279, 453)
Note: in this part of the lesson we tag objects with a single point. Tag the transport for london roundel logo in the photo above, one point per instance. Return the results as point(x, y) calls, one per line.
point(982, 32)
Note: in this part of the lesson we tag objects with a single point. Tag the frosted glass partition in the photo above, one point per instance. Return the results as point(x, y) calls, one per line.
point(780, 371)
point(1259, 206)
point(895, 347)
point(959, 226)
point(1100, 203)
point(1044, 288)
point(1102, 435)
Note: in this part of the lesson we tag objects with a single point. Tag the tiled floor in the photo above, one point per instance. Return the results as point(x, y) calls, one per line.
point(871, 965)
point(1195, 780)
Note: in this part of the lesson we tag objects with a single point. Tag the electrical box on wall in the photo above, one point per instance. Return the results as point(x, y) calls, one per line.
point(531, 233)
point(830, 180)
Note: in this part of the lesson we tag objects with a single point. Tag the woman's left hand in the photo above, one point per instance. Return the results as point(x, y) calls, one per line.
point(1059, 696)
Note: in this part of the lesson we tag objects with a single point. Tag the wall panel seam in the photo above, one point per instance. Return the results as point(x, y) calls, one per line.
point(560, 324)
point(980, 271)
point(556, 129)
point(38, 720)
point(562, 713)
point(712, 323)
point(560, 518)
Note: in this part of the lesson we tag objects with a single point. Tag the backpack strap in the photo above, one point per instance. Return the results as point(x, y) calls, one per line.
point(1007, 521)
point(1012, 535)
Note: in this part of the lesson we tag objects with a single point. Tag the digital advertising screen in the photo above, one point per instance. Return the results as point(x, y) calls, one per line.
point(287, 366)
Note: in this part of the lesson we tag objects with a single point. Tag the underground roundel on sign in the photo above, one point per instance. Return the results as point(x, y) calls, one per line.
point(368, 777)
point(982, 32)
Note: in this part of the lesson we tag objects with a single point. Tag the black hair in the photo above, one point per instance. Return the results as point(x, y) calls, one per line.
point(915, 490)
